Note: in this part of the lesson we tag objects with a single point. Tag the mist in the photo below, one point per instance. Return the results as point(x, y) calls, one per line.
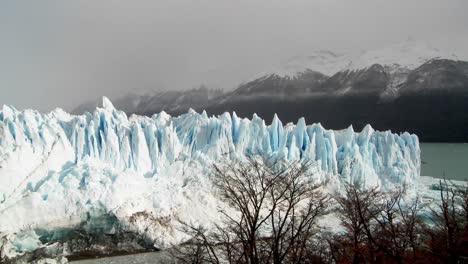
point(63, 53)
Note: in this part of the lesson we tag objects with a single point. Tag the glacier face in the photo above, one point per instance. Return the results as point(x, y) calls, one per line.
point(58, 170)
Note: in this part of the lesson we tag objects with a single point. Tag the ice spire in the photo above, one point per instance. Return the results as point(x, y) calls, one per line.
point(107, 104)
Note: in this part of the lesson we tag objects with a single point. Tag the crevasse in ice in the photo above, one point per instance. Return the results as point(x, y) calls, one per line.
point(56, 168)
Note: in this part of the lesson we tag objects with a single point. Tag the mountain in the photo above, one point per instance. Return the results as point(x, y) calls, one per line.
point(324, 61)
point(439, 76)
point(177, 102)
point(382, 71)
point(391, 88)
point(174, 102)
point(421, 100)
point(302, 83)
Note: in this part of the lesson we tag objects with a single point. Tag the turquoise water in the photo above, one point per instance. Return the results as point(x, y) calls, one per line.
point(449, 159)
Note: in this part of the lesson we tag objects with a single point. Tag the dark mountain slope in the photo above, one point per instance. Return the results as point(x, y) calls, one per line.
point(440, 118)
point(438, 77)
point(430, 101)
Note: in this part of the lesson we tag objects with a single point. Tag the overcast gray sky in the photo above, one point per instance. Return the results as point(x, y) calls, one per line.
point(60, 53)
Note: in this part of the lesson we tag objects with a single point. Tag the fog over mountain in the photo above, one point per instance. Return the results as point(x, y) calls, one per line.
point(63, 53)
point(410, 87)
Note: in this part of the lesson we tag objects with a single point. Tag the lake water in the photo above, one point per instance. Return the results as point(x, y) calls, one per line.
point(450, 159)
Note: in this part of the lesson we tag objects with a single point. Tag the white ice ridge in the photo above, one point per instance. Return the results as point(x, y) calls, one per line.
point(55, 167)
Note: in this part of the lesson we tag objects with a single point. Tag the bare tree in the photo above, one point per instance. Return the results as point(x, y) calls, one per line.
point(271, 215)
point(448, 233)
point(379, 226)
point(199, 249)
point(247, 188)
point(299, 204)
point(357, 209)
point(397, 227)
point(272, 210)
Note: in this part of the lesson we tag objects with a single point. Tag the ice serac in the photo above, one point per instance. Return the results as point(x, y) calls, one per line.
point(58, 169)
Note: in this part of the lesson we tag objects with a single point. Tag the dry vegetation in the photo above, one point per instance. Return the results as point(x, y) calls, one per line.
point(274, 210)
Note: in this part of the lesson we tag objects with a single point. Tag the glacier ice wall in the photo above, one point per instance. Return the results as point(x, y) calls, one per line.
point(55, 167)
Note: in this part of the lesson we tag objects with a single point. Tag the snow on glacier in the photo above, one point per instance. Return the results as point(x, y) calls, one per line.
point(59, 170)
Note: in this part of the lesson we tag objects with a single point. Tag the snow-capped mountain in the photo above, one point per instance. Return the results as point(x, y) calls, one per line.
point(397, 61)
point(323, 61)
point(63, 172)
point(377, 86)
point(393, 88)
point(408, 55)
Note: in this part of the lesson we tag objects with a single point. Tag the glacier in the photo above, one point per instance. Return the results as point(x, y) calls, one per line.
point(59, 170)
